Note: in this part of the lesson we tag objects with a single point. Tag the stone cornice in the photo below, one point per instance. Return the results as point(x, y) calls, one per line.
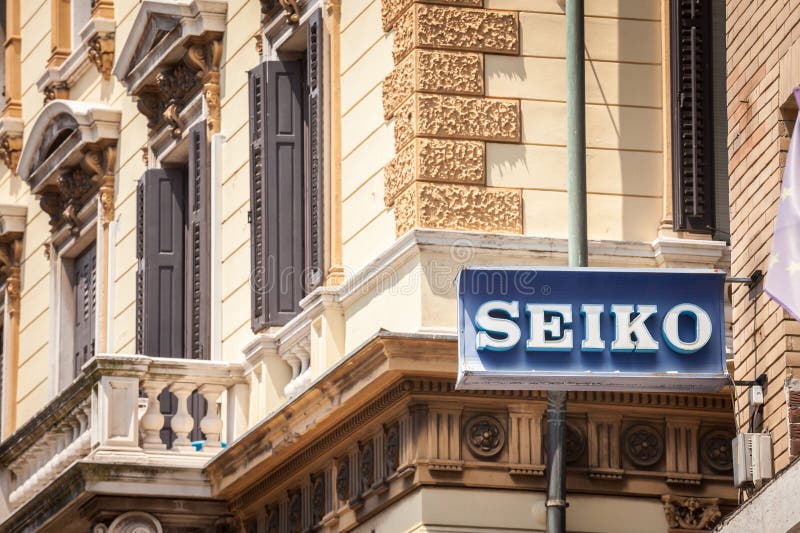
point(382, 371)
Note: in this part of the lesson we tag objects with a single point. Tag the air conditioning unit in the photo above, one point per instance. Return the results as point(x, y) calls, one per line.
point(752, 459)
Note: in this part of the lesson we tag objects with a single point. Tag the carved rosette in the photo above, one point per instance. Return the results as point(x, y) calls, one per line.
point(392, 448)
point(716, 450)
point(343, 479)
point(132, 522)
point(366, 467)
point(101, 53)
point(689, 513)
point(574, 443)
point(643, 445)
point(485, 436)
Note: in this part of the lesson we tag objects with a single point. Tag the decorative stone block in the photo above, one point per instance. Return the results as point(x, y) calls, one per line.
point(432, 71)
point(391, 9)
point(457, 117)
point(435, 160)
point(458, 207)
point(456, 28)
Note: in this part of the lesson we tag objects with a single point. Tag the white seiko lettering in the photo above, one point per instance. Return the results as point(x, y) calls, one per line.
point(592, 341)
point(561, 336)
point(497, 334)
point(702, 328)
point(626, 328)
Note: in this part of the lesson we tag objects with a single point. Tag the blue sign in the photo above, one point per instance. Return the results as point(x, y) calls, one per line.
point(591, 329)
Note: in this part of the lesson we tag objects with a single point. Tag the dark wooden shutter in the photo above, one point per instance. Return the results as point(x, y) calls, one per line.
point(160, 275)
point(197, 245)
point(258, 279)
point(692, 124)
point(84, 287)
point(277, 192)
point(315, 176)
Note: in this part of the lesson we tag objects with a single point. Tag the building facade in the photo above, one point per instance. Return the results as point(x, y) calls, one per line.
point(230, 231)
point(763, 70)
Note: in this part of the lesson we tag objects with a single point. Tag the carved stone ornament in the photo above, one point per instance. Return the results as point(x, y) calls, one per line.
point(55, 91)
point(101, 53)
point(317, 498)
point(689, 513)
point(294, 518)
point(643, 445)
point(273, 518)
point(392, 448)
point(289, 7)
point(485, 436)
point(135, 522)
point(574, 443)
point(10, 148)
point(716, 450)
point(343, 479)
point(10, 258)
point(174, 87)
point(366, 465)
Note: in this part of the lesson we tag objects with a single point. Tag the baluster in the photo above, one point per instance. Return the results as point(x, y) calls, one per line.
point(211, 424)
point(152, 420)
point(182, 422)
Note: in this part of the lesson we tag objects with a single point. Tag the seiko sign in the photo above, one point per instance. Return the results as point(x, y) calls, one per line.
point(591, 328)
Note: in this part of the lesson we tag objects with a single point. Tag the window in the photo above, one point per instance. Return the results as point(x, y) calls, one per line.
point(699, 122)
point(287, 175)
point(172, 311)
point(84, 290)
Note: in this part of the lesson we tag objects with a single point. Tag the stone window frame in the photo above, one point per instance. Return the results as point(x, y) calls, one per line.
point(12, 231)
point(69, 61)
point(69, 162)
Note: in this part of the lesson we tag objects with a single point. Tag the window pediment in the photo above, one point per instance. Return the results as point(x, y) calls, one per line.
point(68, 156)
point(162, 33)
point(172, 54)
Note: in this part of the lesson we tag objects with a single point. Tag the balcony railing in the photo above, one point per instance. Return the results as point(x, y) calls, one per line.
point(111, 412)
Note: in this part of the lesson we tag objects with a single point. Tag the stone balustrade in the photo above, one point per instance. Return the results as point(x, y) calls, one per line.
point(298, 357)
point(112, 413)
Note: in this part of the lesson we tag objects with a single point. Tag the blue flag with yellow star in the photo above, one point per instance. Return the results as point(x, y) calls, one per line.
point(783, 273)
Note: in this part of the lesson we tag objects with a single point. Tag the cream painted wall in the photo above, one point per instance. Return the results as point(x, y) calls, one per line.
point(623, 117)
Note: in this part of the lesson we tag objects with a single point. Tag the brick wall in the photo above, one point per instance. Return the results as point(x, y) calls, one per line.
point(762, 41)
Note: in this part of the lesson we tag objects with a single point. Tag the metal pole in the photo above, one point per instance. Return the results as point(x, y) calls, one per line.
point(578, 253)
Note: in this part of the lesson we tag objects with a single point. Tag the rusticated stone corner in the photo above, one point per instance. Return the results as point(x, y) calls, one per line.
point(435, 160)
point(457, 117)
point(458, 207)
point(391, 9)
point(432, 71)
point(455, 28)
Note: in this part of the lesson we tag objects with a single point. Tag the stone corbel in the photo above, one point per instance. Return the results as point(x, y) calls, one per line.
point(10, 258)
point(10, 142)
point(685, 513)
point(289, 7)
point(101, 53)
point(56, 91)
point(206, 59)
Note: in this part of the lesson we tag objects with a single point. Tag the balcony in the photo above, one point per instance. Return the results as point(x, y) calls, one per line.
point(110, 415)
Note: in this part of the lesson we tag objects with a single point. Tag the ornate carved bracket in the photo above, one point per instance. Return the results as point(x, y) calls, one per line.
point(101, 53)
point(10, 258)
point(174, 87)
point(55, 91)
point(289, 7)
point(74, 186)
point(689, 513)
point(10, 143)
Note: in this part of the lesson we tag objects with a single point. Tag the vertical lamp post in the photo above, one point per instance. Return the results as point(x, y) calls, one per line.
point(578, 252)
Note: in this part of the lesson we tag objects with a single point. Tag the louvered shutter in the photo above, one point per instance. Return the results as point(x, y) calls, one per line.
point(277, 192)
point(315, 176)
point(160, 275)
point(84, 286)
point(197, 245)
point(692, 124)
point(258, 279)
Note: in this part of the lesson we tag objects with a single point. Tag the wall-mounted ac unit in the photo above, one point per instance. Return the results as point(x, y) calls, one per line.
point(752, 459)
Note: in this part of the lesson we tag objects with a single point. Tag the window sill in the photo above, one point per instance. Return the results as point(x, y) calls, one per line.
point(96, 48)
